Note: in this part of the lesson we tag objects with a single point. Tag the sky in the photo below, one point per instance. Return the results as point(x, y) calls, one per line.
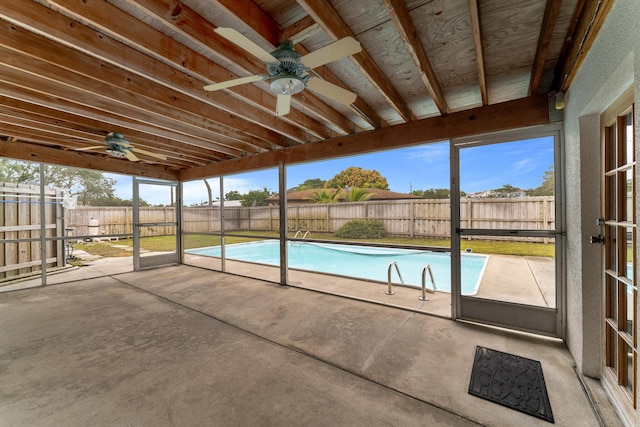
point(521, 164)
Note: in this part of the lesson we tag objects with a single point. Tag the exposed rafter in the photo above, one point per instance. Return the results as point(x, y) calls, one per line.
point(402, 20)
point(588, 19)
point(332, 24)
point(476, 29)
point(548, 25)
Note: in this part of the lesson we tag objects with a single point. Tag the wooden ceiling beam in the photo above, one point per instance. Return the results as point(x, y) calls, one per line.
point(92, 130)
point(476, 30)
point(332, 24)
point(399, 13)
point(73, 62)
point(589, 17)
point(200, 31)
point(69, 32)
point(551, 12)
point(43, 138)
point(78, 159)
point(508, 115)
point(113, 122)
point(86, 91)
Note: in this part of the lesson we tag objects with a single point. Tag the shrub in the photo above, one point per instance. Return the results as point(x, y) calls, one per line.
point(362, 229)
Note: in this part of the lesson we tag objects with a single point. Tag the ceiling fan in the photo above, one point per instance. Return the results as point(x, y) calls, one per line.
point(117, 146)
point(289, 71)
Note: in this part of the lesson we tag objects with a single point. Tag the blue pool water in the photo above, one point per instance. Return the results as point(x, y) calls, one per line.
point(364, 262)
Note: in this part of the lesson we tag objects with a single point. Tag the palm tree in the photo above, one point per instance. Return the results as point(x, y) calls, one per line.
point(325, 196)
point(356, 194)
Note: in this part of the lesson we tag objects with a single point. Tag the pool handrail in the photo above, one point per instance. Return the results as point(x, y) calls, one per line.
point(423, 296)
point(390, 290)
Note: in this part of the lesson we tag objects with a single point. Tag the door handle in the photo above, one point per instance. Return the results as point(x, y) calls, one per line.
point(597, 239)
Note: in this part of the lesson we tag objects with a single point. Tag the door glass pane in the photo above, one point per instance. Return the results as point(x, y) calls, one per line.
point(630, 296)
point(612, 297)
point(611, 259)
point(612, 346)
point(629, 357)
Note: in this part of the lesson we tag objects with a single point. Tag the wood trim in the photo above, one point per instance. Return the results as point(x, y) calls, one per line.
point(508, 115)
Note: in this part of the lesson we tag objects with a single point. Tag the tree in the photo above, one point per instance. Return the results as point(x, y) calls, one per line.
point(433, 193)
point(233, 195)
point(256, 197)
point(357, 177)
point(310, 183)
point(91, 187)
point(547, 186)
point(356, 194)
point(325, 196)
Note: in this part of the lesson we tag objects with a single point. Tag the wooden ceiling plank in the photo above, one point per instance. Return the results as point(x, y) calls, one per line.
point(474, 14)
point(399, 13)
point(588, 22)
point(112, 121)
point(64, 30)
point(508, 115)
point(77, 62)
point(200, 31)
point(332, 24)
point(35, 153)
point(298, 31)
point(551, 12)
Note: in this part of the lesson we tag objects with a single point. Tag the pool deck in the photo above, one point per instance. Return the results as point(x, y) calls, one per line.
point(183, 345)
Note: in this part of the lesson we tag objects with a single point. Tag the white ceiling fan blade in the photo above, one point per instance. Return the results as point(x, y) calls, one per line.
point(95, 147)
point(332, 91)
point(131, 156)
point(148, 153)
point(234, 82)
point(239, 40)
point(336, 50)
point(283, 105)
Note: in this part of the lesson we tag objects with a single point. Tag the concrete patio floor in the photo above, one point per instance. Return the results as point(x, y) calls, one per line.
point(188, 346)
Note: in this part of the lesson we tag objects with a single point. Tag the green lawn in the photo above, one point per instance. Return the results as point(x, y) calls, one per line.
point(167, 243)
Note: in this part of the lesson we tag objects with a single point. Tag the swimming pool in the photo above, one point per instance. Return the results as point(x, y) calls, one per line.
point(364, 262)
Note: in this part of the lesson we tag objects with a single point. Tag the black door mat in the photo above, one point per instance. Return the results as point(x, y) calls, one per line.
point(513, 381)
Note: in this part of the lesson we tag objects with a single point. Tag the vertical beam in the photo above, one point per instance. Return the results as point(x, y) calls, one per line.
point(43, 228)
point(474, 13)
point(284, 258)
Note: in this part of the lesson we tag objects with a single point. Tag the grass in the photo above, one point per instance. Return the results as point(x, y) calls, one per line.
point(167, 243)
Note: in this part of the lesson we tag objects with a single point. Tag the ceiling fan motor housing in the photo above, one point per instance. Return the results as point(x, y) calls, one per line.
point(288, 74)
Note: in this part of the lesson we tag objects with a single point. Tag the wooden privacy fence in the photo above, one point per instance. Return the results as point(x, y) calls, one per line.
point(20, 220)
point(412, 218)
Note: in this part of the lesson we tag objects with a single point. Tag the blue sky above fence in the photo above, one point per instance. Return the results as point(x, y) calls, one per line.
point(521, 164)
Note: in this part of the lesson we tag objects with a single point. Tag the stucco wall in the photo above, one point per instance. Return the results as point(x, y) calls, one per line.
point(612, 65)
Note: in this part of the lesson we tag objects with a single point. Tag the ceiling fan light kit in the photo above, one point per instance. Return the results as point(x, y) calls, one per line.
point(288, 70)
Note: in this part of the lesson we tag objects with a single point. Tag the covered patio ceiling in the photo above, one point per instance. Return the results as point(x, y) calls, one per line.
point(73, 71)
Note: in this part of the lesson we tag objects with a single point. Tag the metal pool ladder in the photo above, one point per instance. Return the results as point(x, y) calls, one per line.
point(426, 268)
point(390, 290)
point(306, 233)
